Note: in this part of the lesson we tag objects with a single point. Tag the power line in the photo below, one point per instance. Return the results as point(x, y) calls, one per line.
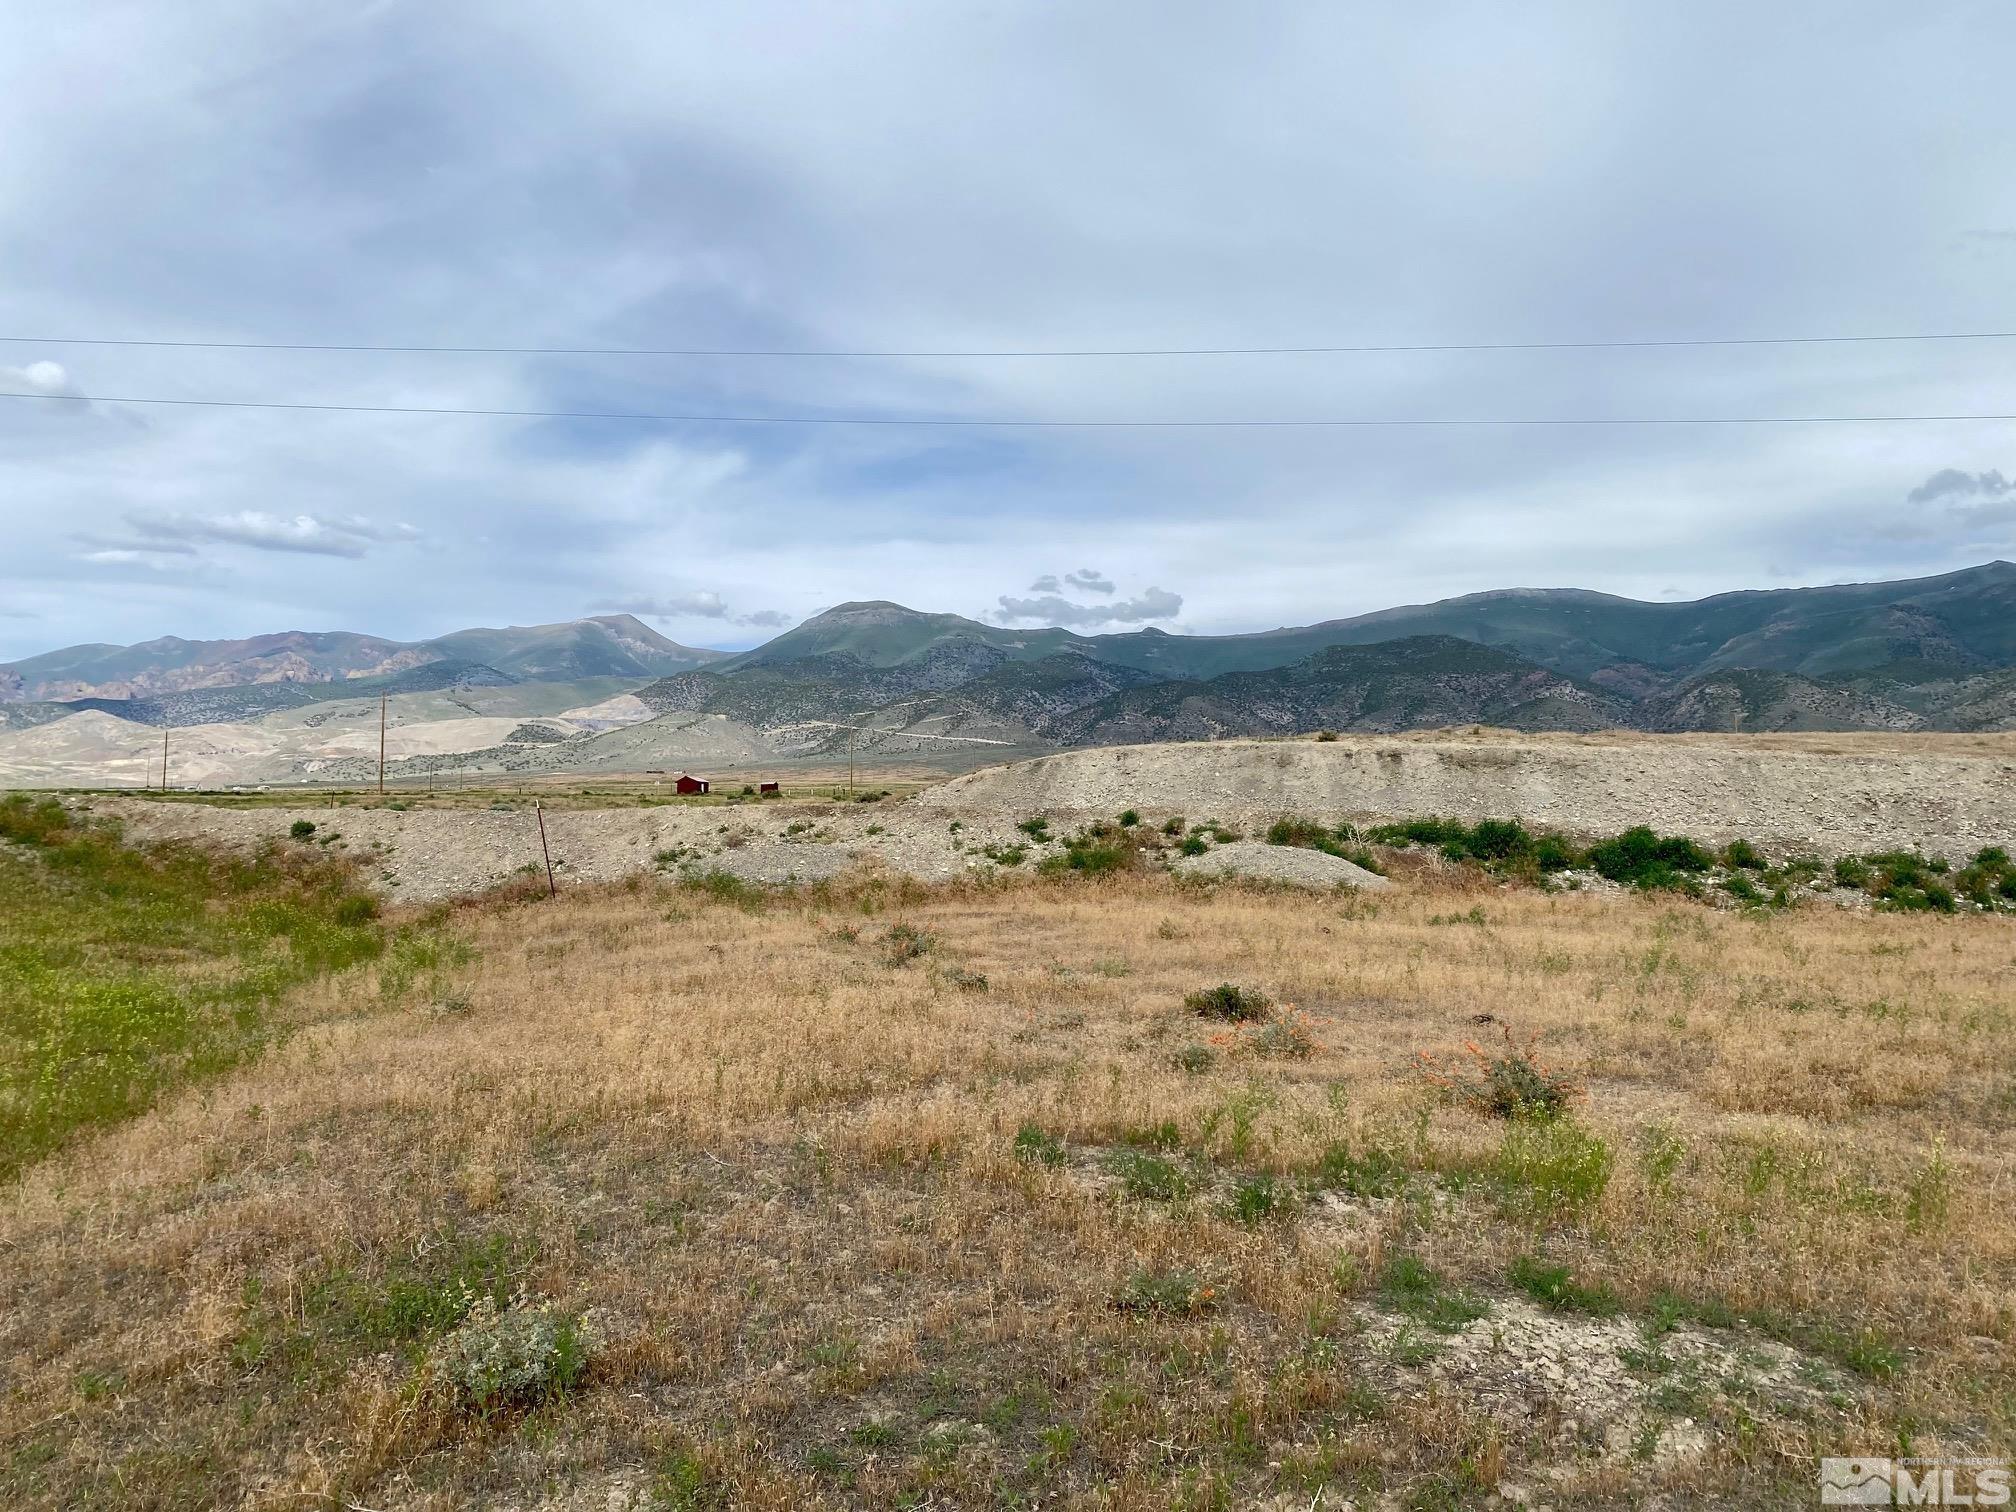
point(938, 422)
point(1249, 351)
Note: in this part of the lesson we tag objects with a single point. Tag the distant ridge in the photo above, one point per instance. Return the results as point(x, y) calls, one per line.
point(617, 645)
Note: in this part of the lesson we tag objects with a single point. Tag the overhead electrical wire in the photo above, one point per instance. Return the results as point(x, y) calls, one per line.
point(1246, 351)
point(992, 423)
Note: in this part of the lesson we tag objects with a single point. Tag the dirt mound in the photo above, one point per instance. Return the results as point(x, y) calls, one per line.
point(1831, 802)
point(1281, 863)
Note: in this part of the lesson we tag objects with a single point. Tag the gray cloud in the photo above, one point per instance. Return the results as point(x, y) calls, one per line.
point(1046, 584)
point(701, 604)
point(1153, 604)
point(1951, 483)
point(1089, 581)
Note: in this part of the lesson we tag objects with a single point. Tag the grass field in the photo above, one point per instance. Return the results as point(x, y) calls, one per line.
point(124, 972)
point(687, 1196)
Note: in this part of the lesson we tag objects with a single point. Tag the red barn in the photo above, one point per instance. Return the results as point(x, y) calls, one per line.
point(688, 783)
point(764, 789)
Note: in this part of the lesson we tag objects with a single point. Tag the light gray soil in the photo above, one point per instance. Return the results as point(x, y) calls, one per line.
point(1280, 863)
point(1827, 803)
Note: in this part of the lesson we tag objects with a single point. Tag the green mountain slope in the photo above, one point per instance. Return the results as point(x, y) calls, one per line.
point(1630, 646)
point(1419, 682)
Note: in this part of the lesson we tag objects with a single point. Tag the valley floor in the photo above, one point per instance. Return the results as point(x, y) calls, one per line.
point(672, 1196)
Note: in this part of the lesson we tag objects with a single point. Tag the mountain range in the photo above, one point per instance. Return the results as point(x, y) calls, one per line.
point(613, 645)
point(1927, 653)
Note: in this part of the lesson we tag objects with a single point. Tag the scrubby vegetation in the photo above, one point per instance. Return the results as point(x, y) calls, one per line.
point(1337, 840)
point(663, 1195)
point(1641, 857)
point(1512, 1083)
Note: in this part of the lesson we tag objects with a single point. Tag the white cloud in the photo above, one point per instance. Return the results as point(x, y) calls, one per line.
point(349, 536)
point(1087, 580)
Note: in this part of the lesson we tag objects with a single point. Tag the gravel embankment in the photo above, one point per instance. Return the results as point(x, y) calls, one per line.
point(1828, 803)
point(1825, 803)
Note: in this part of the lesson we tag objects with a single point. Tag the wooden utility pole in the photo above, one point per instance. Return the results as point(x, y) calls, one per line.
point(850, 761)
point(381, 743)
point(164, 758)
point(540, 814)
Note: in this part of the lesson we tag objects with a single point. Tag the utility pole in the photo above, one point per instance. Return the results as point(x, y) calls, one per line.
point(540, 814)
point(850, 761)
point(164, 758)
point(381, 743)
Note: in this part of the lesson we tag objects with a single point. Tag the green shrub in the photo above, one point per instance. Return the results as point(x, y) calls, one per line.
point(1551, 853)
point(301, 829)
point(1642, 858)
point(1036, 829)
point(1741, 855)
point(1035, 1145)
point(1194, 845)
point(1129, 818)
point(1147, 1178)
point(1498, 840)
point(1233, 1004)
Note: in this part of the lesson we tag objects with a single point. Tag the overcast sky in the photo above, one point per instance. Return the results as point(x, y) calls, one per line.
point(949, 176)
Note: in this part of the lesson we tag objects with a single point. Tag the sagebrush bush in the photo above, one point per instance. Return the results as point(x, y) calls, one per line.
point(515, 1356)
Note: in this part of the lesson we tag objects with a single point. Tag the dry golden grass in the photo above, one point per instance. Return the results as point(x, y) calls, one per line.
point(776, 1163)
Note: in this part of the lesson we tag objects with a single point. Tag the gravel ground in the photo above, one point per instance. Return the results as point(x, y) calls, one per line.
point(422, 855)
point(1827, 802)
point(1280, 863)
